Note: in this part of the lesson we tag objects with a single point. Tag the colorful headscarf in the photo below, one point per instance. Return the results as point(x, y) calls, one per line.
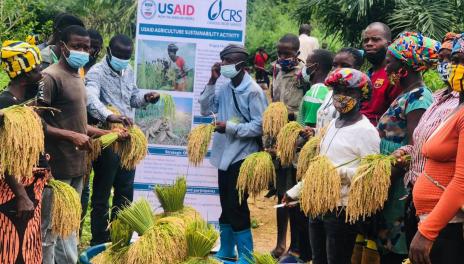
point(415, 50)
point(19, 57)
point(458, 44)
point(351, 79)
point(447, 42)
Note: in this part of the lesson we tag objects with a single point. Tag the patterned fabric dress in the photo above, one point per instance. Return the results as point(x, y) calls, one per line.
point(393, 129)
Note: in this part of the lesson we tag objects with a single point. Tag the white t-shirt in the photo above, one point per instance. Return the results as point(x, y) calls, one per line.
point(345, 144)
point(307, 45)
point(326, 112)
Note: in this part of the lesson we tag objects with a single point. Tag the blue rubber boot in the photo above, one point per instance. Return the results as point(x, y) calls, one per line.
point(226, 253)
point(244, 241)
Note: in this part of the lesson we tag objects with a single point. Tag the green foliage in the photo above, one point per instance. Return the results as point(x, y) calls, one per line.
point(432, 80)
point(4, 80)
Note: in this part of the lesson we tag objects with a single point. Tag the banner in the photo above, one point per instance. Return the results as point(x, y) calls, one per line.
point(177, 43)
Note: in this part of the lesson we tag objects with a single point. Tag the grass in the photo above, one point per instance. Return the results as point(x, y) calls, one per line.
point(158, 77)
point(4, 80)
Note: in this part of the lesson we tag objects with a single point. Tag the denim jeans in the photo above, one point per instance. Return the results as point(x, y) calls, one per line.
point(108, 174)
point(332, 240)
point(57, 249)
point(85, 197)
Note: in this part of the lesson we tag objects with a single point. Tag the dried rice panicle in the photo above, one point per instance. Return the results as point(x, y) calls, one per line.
point(321, 187)
point(104, 257)
point(275, 117)
point(171, 197)
point(369, 187)
point(407, 261)
point(263, 259)
point(256, 173)
point(286, 142)
point(132, 150)
point(120, 234)
point(201, 238)
point(188, 214)
point(21, 141)
point(198, 142)
point(138, 216)
point(308, 152)
point(66, 209)
point(115, 111)
point(169, 106)
point(208, 260)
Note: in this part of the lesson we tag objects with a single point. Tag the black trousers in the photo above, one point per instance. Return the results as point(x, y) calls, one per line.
point(332, 240)
point(448, 248)
point(233, 212)
point(108, 175)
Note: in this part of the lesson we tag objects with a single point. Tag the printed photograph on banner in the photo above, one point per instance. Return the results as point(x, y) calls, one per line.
point(166, 123)
point(164, 65)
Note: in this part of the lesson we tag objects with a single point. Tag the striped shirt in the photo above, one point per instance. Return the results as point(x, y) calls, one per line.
point(444, 103)
point(311, 102)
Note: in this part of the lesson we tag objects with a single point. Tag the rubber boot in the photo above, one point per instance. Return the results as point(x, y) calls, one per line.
point(227, 250)
point(370, 253)
point(244, 241)
point(282, 223)
point(356, 258)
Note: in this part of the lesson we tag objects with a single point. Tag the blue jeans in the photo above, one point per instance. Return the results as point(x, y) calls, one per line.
point(108, 174)
point(57, 249)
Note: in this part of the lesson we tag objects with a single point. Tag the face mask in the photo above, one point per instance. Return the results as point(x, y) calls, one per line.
point(343, 103)
point(287, 64)
point(376, 58)
point(118, 64)
point(456, 78)
point(230, 70)
point(444, 70)
point(77, 59)
point(305, 74)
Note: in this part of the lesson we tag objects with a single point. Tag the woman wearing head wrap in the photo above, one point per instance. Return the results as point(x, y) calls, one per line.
point(444, 56)
point(438, 192)
point(20, 202)
point(407, 57)
point(332, 239)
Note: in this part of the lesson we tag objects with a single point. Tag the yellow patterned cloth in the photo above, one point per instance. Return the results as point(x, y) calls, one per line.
point(19, 57)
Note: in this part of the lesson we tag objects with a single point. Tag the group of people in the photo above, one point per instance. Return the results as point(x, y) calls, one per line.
point(66, 75)
point(387, 110)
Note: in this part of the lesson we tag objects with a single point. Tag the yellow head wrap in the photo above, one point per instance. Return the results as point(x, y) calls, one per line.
point(19, 57)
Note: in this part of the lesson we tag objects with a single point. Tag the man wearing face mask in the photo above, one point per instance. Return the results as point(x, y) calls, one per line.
point(376, 38)
point(239, 99)
point(111, 82)
point(96, 43)
point(67, 135)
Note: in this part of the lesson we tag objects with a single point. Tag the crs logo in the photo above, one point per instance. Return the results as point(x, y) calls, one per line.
point(148, 9)
point(229, 15)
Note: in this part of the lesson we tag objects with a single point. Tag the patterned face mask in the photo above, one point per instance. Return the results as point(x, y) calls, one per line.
point(456, 78)
point(443, 68)
point(343, 103)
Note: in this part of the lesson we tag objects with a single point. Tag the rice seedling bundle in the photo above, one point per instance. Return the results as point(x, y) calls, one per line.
point(321, 187)
point(120, 234)
point(111, 256)
point(198, 141)
point(286, 142)
point(172, 196)
point(309, 151)
point(66, 209)
point(21, 141)
point(369, 187)
point(138, 216)
point(194, 260)
point(201, 238)
point(256, 173)
point(132, 150)
point(169, 106)
point(274, 118)
point(263, 259)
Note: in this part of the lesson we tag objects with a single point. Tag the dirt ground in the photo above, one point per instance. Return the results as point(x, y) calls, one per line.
point(263, 212)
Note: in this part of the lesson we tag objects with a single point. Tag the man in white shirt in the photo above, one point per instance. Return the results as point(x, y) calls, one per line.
point(307, 43)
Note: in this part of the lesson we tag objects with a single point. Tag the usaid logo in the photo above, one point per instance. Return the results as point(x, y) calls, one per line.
point(148, 9)
point(229, 15)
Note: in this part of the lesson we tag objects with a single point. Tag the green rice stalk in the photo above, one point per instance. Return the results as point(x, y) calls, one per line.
point(275, 117)
point(256, 173)
point(262, 259)
point(138, 216)
point(172, 196)
point(321, 187)
point(66, 209)
point(120, 234)
point(286, 142)
point(169, 106)
point(198, 142)
point(21, 141)
point(309, 151)
point(108, 139)
point(206, 260)
point(133, 150)
point(201, 238)
point(369, 187)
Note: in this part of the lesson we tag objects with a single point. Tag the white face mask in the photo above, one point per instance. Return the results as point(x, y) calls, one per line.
point(305, 74)
point(230, 70)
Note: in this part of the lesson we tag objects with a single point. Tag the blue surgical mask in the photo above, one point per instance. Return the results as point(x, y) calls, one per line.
point(229, 70)
point(118, 64)
point(304, 72)
point(443, 69)
point(76, 59)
